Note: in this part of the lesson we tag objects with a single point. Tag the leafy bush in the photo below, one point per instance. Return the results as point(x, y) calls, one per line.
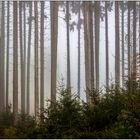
point(11, 133)
point(63, 117)
point(115, 114)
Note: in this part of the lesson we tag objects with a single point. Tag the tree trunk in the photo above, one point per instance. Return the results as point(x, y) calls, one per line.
point(107, 56)
point(134, 41)
point(117, 46)
point(91, 50)
point(86, 46)
point(7, 58)
point(89, 54)
point(15, 60)
point(139, 41)
point(36, 78)
point(54, 35)
point(24, 56)
point(2, 59)
point(68, 49)
point(122, 43)
point(21, 59)
point(97, 35)
point(42, 56)
point(129, 46)
point(28, 58)
point(79, 51)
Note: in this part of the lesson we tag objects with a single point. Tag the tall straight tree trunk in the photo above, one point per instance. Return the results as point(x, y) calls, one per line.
point(79, 51)
point(36, 78)
point(7, 58)
point(54, 36)
point(134, 41)
point(97, 35)
point(129, 46)
point(139, 40)
point(29, 57)
point(21, 59)
point(91, 45)
point(42, 56)
point(1, 94)
point(117, 45)
point(68, 49)
point(2, 59)
point(107, 56)
point(89, 54)
point(24, 56)
point(24, 16)
point(15, 60)
point(86, 47)
point(122, 43)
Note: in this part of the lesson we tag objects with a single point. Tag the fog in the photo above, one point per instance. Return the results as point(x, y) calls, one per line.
point(62, 56)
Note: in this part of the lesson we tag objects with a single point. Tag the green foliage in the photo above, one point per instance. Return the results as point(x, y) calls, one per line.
point(24, 125)
point(115, 114)
point(11, 133)
point(6, 120)
point(63, 117)
point(125, 126)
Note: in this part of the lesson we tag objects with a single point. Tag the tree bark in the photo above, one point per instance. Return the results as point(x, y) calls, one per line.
point(7, 58)
point(15, 60)
point(107, 56)
point(2, 59)
point(21, 58)
point(54, 35)
point(91, 50)
point(117, 45)
point(134, 41)
point(97, 35)
point(36, 78)
point(139, 41)
point(24, 56)
point(129, 45)
point(86, 47)
point(29, 58)
point(42, 56)
point(68, 49)
point(79, 51)
point(122, 43)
